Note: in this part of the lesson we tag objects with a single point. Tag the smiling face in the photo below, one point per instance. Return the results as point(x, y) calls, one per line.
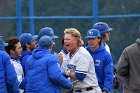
point(94, 43)
point(70, 43)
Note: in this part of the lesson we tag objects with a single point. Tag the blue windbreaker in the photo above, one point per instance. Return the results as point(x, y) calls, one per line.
point(44, 74)
point(103, 67)
point(8, 77)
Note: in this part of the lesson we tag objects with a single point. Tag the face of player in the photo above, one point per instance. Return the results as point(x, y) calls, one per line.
point(107, 34)
point(18, 50)
point(33, 45)
point(93, 43)
point(70, 43)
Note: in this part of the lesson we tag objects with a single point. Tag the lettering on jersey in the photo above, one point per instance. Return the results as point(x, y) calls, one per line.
point(70, 66)
point(97, 62)
point(58, 65)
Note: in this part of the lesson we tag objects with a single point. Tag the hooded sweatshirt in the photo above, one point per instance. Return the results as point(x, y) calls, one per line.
point(43, 73)
point(103, 67)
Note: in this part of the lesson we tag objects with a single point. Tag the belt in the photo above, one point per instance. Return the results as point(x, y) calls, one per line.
point(87, 89)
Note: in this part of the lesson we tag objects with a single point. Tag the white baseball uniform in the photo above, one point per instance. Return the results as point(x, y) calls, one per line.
point(82, 62)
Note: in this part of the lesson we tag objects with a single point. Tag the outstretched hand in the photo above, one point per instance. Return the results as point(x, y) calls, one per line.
point(60, 56)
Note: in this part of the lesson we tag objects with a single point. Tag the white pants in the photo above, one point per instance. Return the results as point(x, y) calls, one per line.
point(21, 91)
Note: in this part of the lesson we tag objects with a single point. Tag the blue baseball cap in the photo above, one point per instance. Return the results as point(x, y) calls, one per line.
point(2, 43)
point(48, 32)
point(45, 41)
point(26, 38)
point(93, 33)
point(102, 27)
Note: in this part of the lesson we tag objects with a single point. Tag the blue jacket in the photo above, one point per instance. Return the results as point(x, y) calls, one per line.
point(44, 74)
point(23, 58)
point(103, 67)
point(8, 77)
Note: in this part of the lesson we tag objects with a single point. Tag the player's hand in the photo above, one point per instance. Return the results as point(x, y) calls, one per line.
point(74, 82)
point(104, 91)
point(60, 56)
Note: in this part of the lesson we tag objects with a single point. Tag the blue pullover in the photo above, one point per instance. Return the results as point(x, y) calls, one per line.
point(103, 67)
point(44, 73)
point(8, 77)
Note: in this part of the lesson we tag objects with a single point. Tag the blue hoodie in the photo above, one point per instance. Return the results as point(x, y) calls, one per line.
point(43, 73)
point(103, 67)
point(8, 77)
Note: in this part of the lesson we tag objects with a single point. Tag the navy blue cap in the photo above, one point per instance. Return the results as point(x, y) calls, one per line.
point(48, 32)
point(26, 38)
point(45, 41)
point(93, 33)
point(2, 43)
point(102, 27)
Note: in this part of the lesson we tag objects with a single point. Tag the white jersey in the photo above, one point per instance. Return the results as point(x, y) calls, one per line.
point(82, 62)
point(18, 69)
point(107, 48)
point(65, 61)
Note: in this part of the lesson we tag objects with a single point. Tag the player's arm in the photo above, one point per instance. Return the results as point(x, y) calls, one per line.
point(81, 69)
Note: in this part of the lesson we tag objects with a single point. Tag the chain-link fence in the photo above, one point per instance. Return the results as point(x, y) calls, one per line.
point(19, 16)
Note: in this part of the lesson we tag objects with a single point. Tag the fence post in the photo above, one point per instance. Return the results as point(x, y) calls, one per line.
point(31, 14)
point(95, 11)
point(18, 17)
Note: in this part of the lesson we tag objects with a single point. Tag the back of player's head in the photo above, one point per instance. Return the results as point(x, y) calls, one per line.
point(45, 41)
point(102, 27)
point(47, 31)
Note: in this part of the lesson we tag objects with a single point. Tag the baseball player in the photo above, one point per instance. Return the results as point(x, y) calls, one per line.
point(80, 67)
point(105, 31)
point(102, 60)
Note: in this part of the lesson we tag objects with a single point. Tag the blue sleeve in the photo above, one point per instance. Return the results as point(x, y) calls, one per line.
point(23, 84)
point(108, 73)
point(55, 75)
point(23, 62)
point(11, 77)
point(80, 76)
point(64, 75)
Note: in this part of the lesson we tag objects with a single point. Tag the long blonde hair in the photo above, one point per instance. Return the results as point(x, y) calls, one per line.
point(75, 33)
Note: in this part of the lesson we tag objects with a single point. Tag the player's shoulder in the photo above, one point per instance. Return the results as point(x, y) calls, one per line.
point(83, 52)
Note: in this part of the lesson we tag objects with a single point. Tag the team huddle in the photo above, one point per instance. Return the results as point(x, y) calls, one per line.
point(28, 66)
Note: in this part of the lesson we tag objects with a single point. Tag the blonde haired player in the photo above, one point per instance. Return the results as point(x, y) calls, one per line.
point(80, 66)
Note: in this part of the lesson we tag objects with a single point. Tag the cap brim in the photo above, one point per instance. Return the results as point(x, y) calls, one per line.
point(91, 37)
point(53, 43)
point(54, 37)
point(109, 29)
point(34, 37)
point(5, 44)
